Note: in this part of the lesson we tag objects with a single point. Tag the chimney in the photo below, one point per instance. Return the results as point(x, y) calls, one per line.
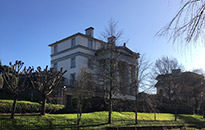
point(111, 40)
point(124, 44)
point(89, 31)
point(176, 71)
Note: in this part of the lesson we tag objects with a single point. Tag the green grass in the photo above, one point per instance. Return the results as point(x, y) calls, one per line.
point(28, 107)
point(11, 101)
point(96, 120)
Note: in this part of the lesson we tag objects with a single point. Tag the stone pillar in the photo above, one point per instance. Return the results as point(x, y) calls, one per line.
point(133, 80)
point(128, 78)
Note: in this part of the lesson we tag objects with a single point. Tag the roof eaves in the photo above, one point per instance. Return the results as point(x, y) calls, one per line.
point(57, 42)
point(63, 39)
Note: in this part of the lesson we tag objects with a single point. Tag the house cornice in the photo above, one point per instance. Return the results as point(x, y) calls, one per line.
point(77, 46)
point(74, 35)
point(130, 53)
point(71, 55)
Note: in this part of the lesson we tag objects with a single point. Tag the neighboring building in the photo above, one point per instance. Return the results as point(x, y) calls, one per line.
point(178, 80)
point(78, 51)
point(184, 89)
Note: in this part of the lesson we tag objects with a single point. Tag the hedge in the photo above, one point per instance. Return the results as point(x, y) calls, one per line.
point(28, 107)
point(1, 81)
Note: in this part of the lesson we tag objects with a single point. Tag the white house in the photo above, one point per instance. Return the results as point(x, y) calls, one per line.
point(74, 52)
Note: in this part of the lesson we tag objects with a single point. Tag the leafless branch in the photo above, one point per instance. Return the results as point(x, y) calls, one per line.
point(188, 24)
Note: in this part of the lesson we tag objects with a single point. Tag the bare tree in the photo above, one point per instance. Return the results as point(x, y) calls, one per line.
point(113, 35)
point(45, 81)
point(165, 65)
point(144, 74)
point(189, 22)
point(163, 71)
point(141, 80)
point(112, 30)
point(106, 67)
point(86, 89)
point(113, 84)
point(111, 76)
point(15, 79)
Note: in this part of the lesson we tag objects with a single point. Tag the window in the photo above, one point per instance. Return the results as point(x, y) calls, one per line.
point(69, 100)
point(102, 46)
point(72, 79)
point(55, 66)
point(90, 44)
point(73, 42)
point(161, 92)
point(90, 65)
point(55, 49)
point(88, 33)
point(66, 81)
point(72, 62)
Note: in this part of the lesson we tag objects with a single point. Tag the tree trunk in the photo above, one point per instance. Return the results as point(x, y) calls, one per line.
point(111, 88)
point(136, 106)
point(13, 108)
point(43, 107)
point(136, 95)
point(79, 114)
point(79, 118)
point(110, 110)
point(175, 116)
point(193, 110)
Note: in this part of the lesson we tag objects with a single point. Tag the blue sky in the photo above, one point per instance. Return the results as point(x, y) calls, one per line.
point(27, 27)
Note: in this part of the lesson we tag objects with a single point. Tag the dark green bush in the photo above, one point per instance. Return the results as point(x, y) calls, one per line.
point(1, 81)
point(98, 104)
point(28, 107)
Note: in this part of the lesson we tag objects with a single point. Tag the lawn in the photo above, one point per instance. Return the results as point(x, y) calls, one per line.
point(27, 107)
point(95, 120)
point(11, 101)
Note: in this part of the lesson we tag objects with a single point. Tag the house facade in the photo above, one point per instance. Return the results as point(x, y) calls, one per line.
point(80, 51)
point(179, 83)
point(184, 90)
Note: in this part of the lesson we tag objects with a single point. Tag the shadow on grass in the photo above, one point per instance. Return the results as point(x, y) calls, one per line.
point(192, 121)
point(132, 122)
point(60, 122)
point(93, 125)
point(141, 123)
point(41, 122)
point(37, 123)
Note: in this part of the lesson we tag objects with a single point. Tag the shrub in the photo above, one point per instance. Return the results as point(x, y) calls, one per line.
point(99, 104)
point(1, 82)
point(28, 107)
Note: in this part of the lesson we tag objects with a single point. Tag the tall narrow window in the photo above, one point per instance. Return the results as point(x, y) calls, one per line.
point(73, 42)
point(90, 65)
point(72, 79)
point(55, 66)
point(55, 49)
point(90, 44)
point(72, 62)
point(69, 100)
